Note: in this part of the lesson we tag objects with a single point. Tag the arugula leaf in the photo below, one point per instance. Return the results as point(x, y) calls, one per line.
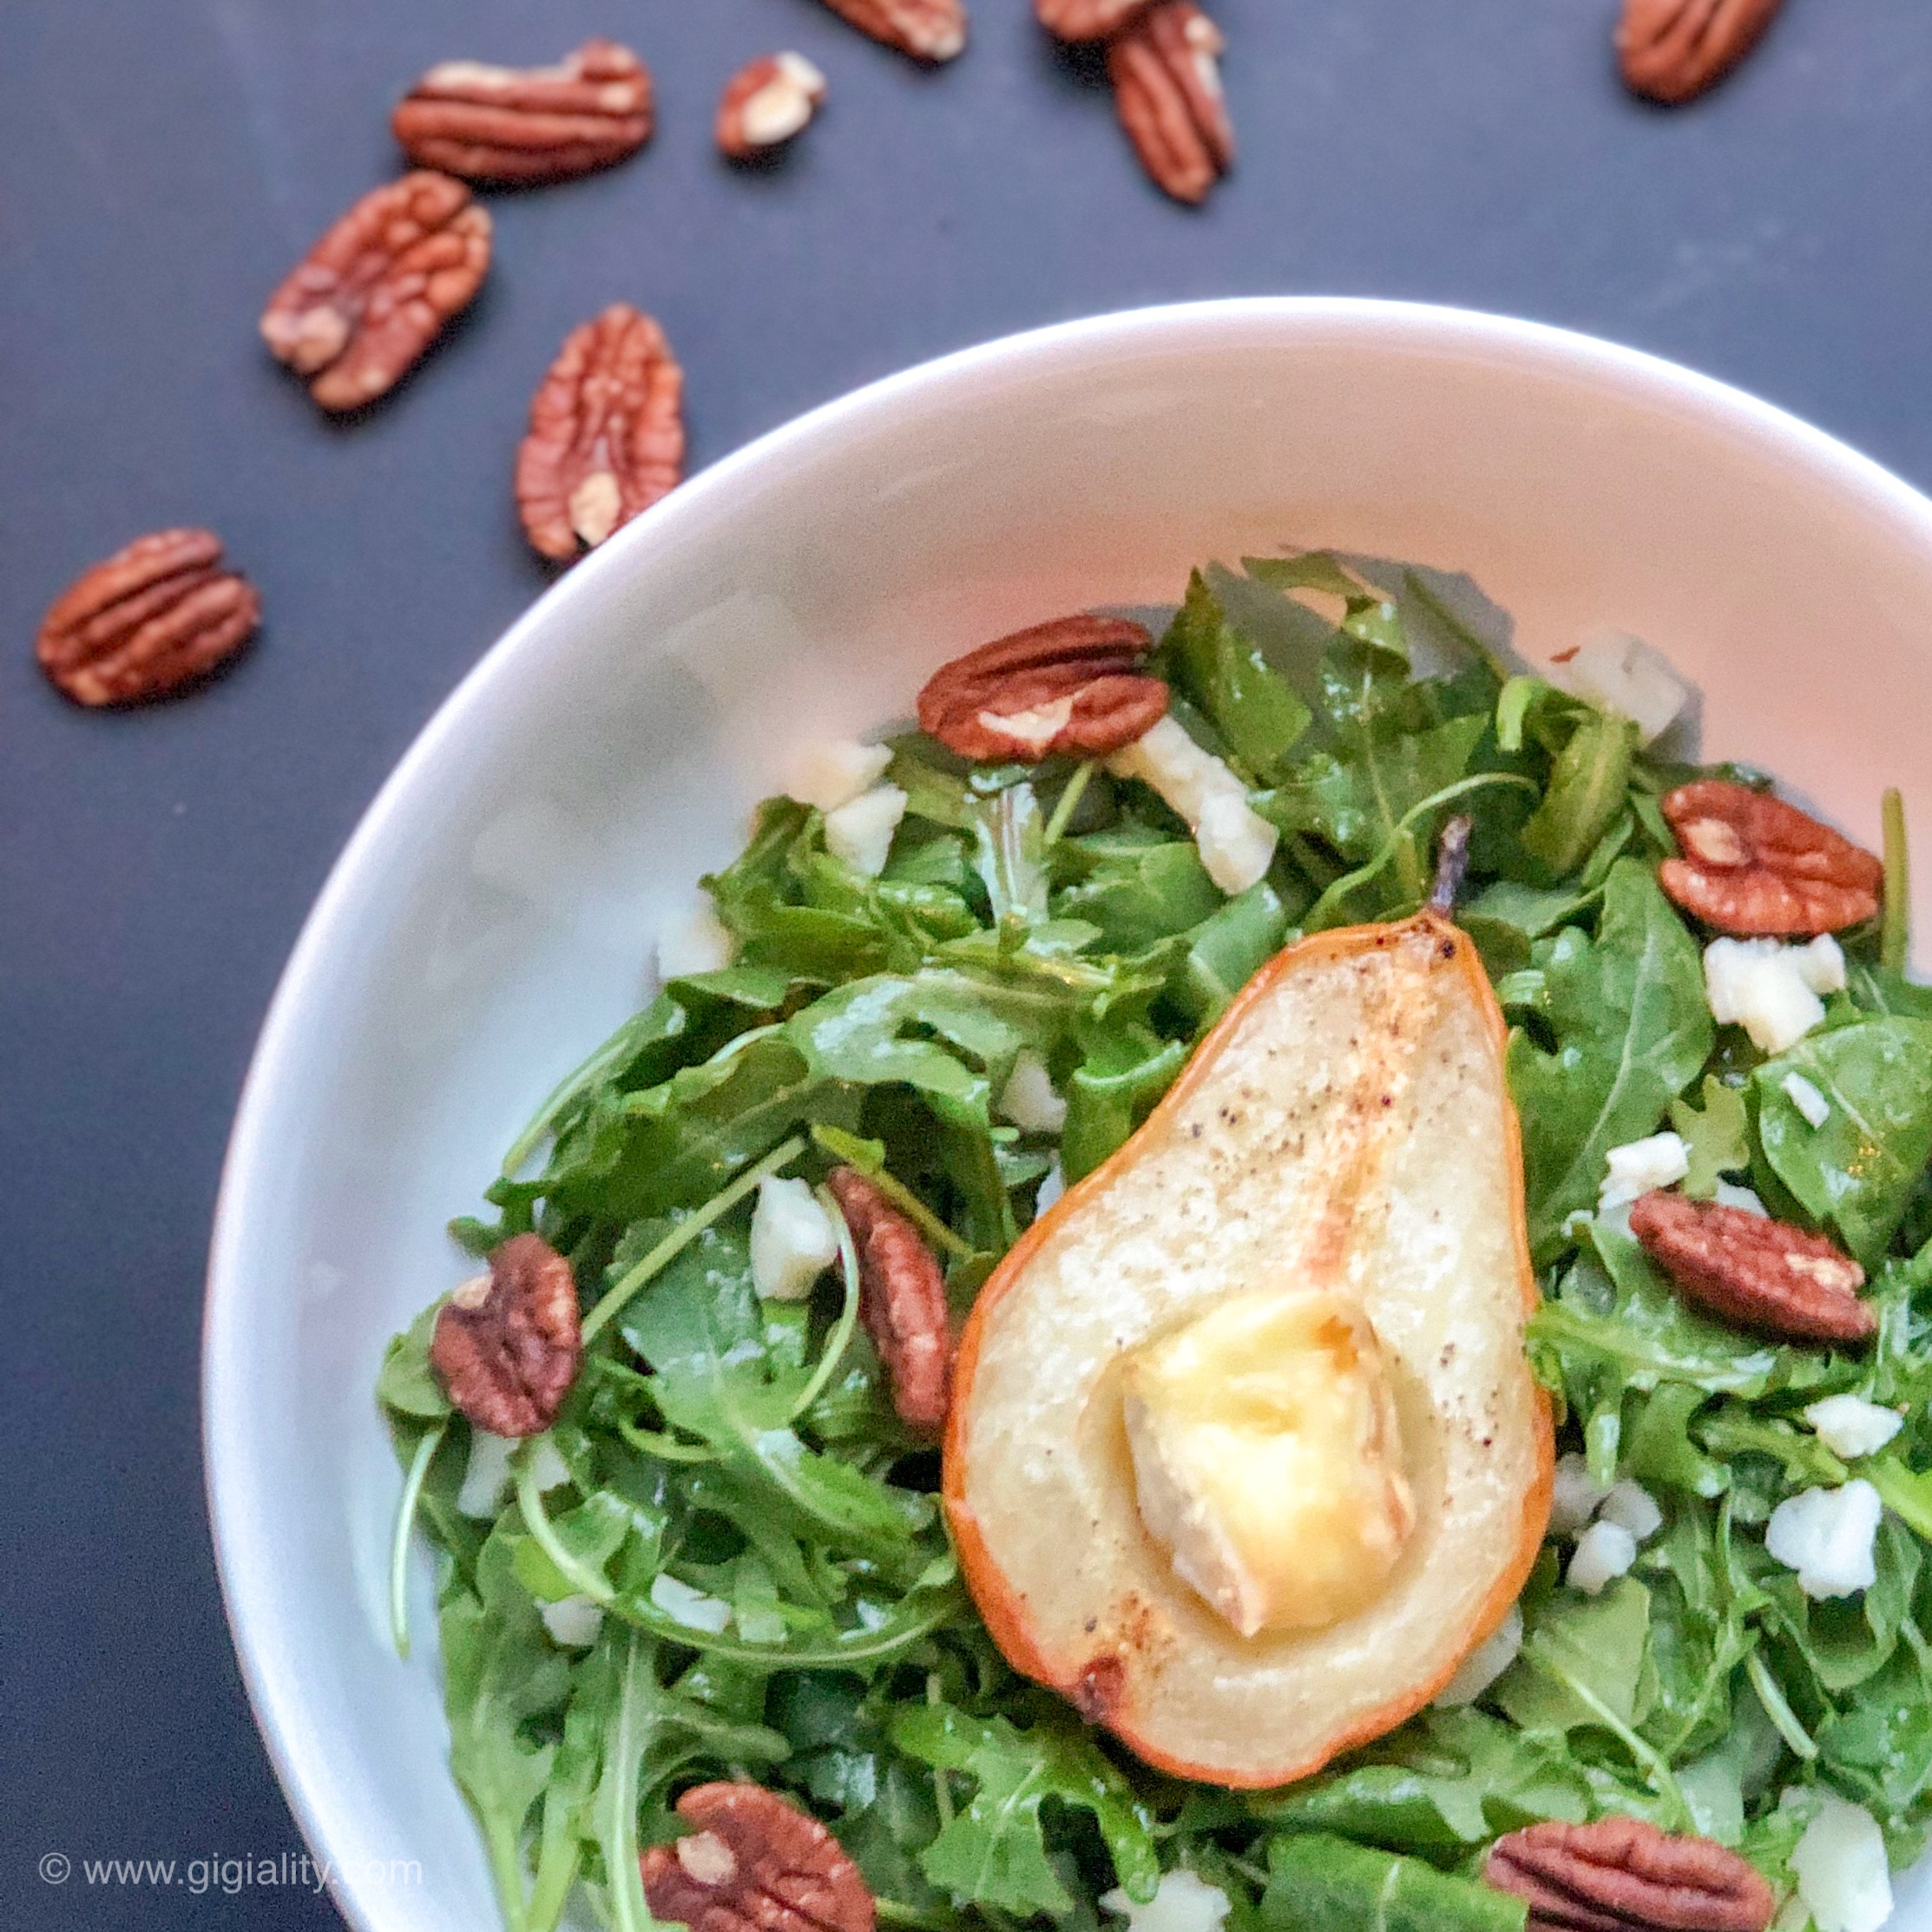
point(1586, 788)
point(1113, 1091)
point(499, 1670)
point(407, 1385)
point(1855, 1173)
point(994, 1852)
point(1718, 1136)
point(1631, 1029)
point(1226, 949)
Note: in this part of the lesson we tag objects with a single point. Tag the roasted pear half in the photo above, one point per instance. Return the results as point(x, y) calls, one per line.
point(1245, 1456)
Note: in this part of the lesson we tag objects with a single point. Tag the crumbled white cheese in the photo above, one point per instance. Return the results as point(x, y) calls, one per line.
point(1821, 964)
point(793, 1241)
point(1806, 1099)
point(548, 1469)
point(486, 1474)
point(1485, 1664)
point(1604, 1552)
point(573, 1621)
point(1631, 1507)
point(1661, 1160)
point(1844, 1877)
point(1826, 1535)
point(697, 943)
point(693, 1608)
point(1765, 987)
point(830, 774)
point(1181, 1902)
point(860, 832)
point(1051, 1188)
point(1236, 844)
point(1622, 672)
point(1028, 1099)
point(1728, 1194)
point(1575, 1495)
point(1850, 1427)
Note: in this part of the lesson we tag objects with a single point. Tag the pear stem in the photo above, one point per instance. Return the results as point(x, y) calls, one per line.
point(1452, 863)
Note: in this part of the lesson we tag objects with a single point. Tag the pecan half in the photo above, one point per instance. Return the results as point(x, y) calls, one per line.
point(1758, 1273)
point(765, 104)
point(376, 291)
point(1671, 50)
point(607, 433)
point(927, 29)
point(753, 1864)
point(146, 619)
point(506, 1345)
point(1753, 863)
point(1087, 19)
point(903, 1300)
point(1167, 75)
point(1070, 686)
point(1621, 1875)
point(528, 123)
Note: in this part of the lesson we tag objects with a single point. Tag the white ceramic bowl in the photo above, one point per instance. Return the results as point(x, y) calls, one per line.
point(494, 915)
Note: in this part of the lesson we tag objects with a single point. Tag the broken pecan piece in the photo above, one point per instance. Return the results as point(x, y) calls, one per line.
point(765, 104)
point(146, 619)
point(927, 29)
point(1167, 75)
point(1761, 1274)
point(902, 1300)
point(607, 433)
point(753, 1864)
point(506, 1346)
point(1671, 50)
point(376, 291)
point(528, 123)
point(1621, 1875)
point(1753, 863)
point(1087, 19)
point(1070, 686)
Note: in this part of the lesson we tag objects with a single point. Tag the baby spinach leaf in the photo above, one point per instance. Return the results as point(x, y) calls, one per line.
point(1447, 1780)
point(994, 1852)
point(1224, 676)
point(1856, 1172)
point(1321, 1883)
point(1631, 1029)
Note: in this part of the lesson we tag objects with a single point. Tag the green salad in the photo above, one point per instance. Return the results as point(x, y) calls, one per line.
point(725, 1558)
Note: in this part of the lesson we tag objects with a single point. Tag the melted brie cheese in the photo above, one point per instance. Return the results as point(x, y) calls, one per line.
point(1268, 1459)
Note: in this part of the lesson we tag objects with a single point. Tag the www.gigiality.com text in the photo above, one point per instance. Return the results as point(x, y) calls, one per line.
point(287, 1870)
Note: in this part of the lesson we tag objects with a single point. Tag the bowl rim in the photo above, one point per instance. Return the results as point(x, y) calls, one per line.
point(1441, 331)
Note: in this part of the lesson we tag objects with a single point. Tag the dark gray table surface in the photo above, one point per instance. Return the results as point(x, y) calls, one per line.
point(163, 162)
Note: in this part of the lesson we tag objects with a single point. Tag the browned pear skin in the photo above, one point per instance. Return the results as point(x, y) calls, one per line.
point(1104, 1684)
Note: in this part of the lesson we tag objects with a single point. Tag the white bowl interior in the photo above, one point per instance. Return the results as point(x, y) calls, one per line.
point(496, 913)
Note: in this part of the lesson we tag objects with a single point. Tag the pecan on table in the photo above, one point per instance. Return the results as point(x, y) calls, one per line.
point(506, 1346)
point(528, 123)
point(1167, 75)
point(1072, 685)
point(765, 104)
point(927, 29)
point(1671, 50)
point(606, 434)
point(377, 289)
point(1761, 1274)
point(1754, 865)
point(1621, 1875)
point(1079, 20)
point(902, 1300)
point(753, 1864)
point(146, 620)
